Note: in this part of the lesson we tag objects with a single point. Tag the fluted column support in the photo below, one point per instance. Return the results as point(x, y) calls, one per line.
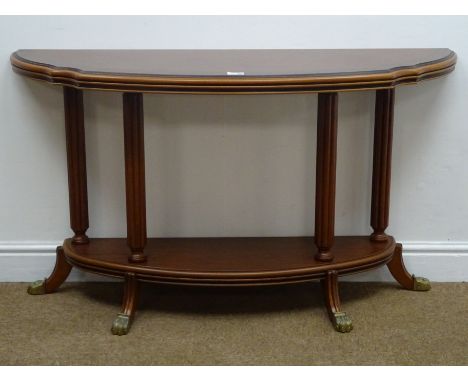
point(327, 116)
point(135, 175)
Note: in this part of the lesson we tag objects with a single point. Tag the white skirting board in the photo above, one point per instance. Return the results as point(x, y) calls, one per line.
point(438, 261)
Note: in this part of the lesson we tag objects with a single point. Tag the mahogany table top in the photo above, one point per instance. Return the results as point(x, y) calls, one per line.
point(234, 71)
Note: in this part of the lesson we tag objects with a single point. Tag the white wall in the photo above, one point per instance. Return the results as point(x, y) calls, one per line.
point(234, 165)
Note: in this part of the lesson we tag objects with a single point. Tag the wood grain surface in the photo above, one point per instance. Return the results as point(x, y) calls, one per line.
point(229, 261)
point(234, 71)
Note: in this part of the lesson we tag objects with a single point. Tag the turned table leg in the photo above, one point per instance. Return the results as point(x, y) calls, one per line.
point(325, 174)
point(381, 176)
point(77, 188)
point(327, 116)
point(136, 204)
point(135, 175)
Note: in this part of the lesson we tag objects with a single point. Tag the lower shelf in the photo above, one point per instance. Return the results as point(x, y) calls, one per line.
point(229, 261)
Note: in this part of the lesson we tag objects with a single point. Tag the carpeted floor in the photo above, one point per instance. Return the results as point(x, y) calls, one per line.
point(284, 325)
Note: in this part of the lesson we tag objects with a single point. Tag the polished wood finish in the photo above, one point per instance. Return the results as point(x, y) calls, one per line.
point(76, 162)
point(230, 261)
point(122, 323)
point(382, 164)
point(327, 116)
point(60, 273)
point(206, 71)
point(130, 296)
point(398, 270)
point(135, 175)
point(340, 320)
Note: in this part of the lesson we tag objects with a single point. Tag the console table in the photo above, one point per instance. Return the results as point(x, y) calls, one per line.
point(230, 261)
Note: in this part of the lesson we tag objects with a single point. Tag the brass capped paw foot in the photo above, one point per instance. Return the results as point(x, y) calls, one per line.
point(37, 287)
point(342, 322)
point(121, 325)
point(421, 284)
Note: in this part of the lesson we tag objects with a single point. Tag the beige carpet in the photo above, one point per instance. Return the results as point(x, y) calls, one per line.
point(258, 326)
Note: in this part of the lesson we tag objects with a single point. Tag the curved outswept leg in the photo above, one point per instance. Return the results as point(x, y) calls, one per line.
point(59, 275)
point(398, 270)
point(121, 324)
point(340, 320)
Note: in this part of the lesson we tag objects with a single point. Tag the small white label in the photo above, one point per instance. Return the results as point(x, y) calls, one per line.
point(235, 73)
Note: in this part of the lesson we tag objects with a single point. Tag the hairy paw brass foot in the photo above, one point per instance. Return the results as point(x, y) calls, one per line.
point(342, 322)
point(37, 287)
point(421, 284)
point(121, 325)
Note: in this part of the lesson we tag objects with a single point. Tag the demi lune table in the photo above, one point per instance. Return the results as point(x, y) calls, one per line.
point(230, 261)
